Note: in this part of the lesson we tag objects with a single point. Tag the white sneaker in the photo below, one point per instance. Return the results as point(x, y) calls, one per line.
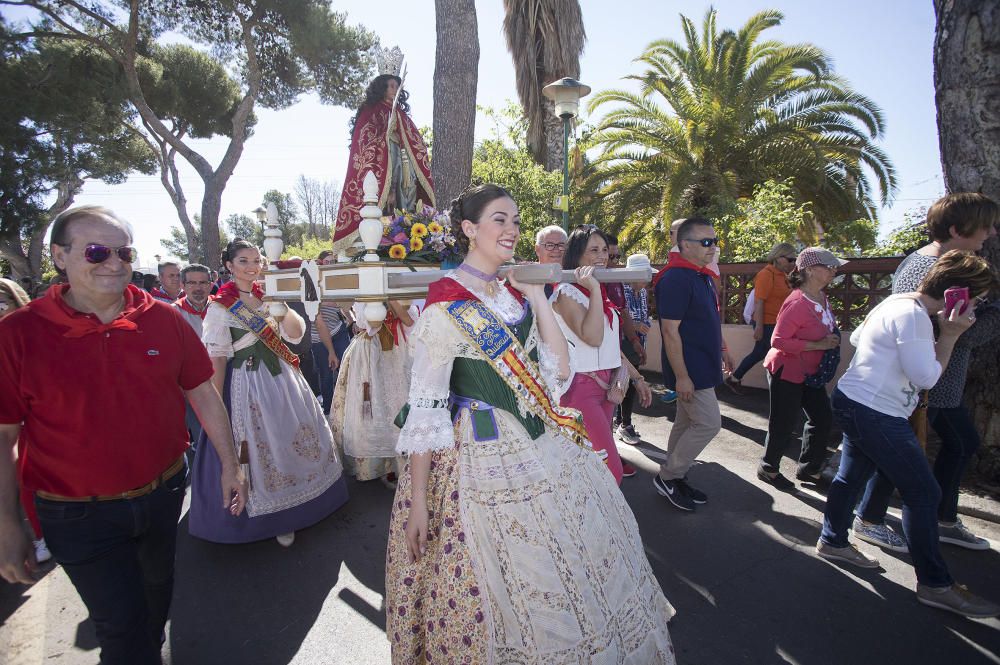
point(286, 539)
point(42, 553)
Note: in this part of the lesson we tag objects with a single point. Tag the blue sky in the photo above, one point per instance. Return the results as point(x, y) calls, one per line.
point(882, 47)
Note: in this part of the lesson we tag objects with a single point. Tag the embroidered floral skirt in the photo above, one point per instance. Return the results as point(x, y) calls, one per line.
point(295, 475)
point(533, 556)
point(371, 389)
point(370, 468)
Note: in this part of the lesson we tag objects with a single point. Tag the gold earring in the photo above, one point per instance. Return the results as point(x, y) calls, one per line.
point(472, 243)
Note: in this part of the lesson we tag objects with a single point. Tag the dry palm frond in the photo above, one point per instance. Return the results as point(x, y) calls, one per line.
point(545, 39)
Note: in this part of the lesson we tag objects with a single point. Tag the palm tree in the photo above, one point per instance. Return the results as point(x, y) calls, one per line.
point(724, 112)
point(545, 39)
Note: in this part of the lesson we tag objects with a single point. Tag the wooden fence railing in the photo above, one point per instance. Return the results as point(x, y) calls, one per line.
point(858, 287)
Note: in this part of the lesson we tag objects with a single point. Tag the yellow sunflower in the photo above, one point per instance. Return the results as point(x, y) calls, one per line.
point(434, 227)
point(416, 244)
point(397, 252)
point(418, 230)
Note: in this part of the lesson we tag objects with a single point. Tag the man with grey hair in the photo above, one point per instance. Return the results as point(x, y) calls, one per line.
point(169, 289)
point(550, 243)
point(93, 378)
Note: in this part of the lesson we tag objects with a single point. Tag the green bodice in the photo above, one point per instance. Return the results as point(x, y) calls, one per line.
point(255, 355)
point(478, 380)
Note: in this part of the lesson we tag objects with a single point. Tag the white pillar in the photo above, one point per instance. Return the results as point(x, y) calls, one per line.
point(370, 227)
point(273, 246)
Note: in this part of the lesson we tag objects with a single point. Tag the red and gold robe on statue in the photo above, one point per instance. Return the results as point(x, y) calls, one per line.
point(371, 151)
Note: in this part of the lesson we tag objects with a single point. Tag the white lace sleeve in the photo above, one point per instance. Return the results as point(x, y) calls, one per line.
point(571, 292)
point(215, 332)
point(548, 363)
point(428, 424)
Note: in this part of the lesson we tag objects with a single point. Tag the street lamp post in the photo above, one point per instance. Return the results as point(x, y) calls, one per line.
point(261, 217)
point(565, 94)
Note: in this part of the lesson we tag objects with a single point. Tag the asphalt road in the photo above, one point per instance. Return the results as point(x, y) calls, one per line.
point(740, 571)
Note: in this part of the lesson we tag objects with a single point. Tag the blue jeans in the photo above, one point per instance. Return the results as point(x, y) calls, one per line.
point(120, 557)
point(321, 359)
point(959, 441)
point(757, 353)
point(876, 440)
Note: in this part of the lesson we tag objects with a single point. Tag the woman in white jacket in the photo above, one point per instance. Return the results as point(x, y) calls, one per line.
point(896, 358)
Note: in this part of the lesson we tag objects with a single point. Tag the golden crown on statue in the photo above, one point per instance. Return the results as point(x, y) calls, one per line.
point(389, 61)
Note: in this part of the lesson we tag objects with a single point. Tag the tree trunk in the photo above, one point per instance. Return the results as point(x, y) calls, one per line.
point(13, 252)
point(967, 92)
point(30, 264)
point(171, 181)
point(456, 73)
point(211, 206)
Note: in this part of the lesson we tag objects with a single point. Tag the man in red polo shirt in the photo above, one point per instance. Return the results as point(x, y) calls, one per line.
point(94, 376)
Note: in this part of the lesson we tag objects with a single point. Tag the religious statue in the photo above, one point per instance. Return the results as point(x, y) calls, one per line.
point(385, 141)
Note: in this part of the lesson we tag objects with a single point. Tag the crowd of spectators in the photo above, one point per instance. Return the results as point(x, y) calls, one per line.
point(910, 361)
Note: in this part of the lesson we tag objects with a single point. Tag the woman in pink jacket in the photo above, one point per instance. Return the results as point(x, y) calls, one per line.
point(804, 330)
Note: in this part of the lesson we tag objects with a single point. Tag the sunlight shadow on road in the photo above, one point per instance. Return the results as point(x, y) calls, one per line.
point(376, 615)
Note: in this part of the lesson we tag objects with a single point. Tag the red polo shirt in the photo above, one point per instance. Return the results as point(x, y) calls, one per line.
point(101, 406)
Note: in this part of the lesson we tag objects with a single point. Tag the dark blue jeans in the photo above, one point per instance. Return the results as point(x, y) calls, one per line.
point(757, 353)
point(120, 557)
point(321, 359)
point(959, 441)
point(876, 440)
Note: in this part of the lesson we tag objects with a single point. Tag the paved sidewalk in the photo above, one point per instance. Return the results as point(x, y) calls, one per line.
point(740, 571)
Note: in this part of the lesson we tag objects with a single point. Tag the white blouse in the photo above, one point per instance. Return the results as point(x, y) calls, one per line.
point(584, 357)
point(218, 340)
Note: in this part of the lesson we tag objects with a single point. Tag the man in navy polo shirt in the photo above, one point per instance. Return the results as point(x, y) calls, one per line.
point(692, 356)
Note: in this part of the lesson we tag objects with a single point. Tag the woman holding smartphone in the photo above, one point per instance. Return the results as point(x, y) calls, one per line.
point(897, 357)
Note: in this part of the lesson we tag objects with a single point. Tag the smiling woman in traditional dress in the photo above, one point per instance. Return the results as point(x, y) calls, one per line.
point(509, 540)
point(284, 442)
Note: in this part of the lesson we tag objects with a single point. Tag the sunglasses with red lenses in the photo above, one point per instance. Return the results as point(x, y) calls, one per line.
point(101, 253)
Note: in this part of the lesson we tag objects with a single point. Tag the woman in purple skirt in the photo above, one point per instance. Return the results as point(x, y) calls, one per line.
point(284, 443)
